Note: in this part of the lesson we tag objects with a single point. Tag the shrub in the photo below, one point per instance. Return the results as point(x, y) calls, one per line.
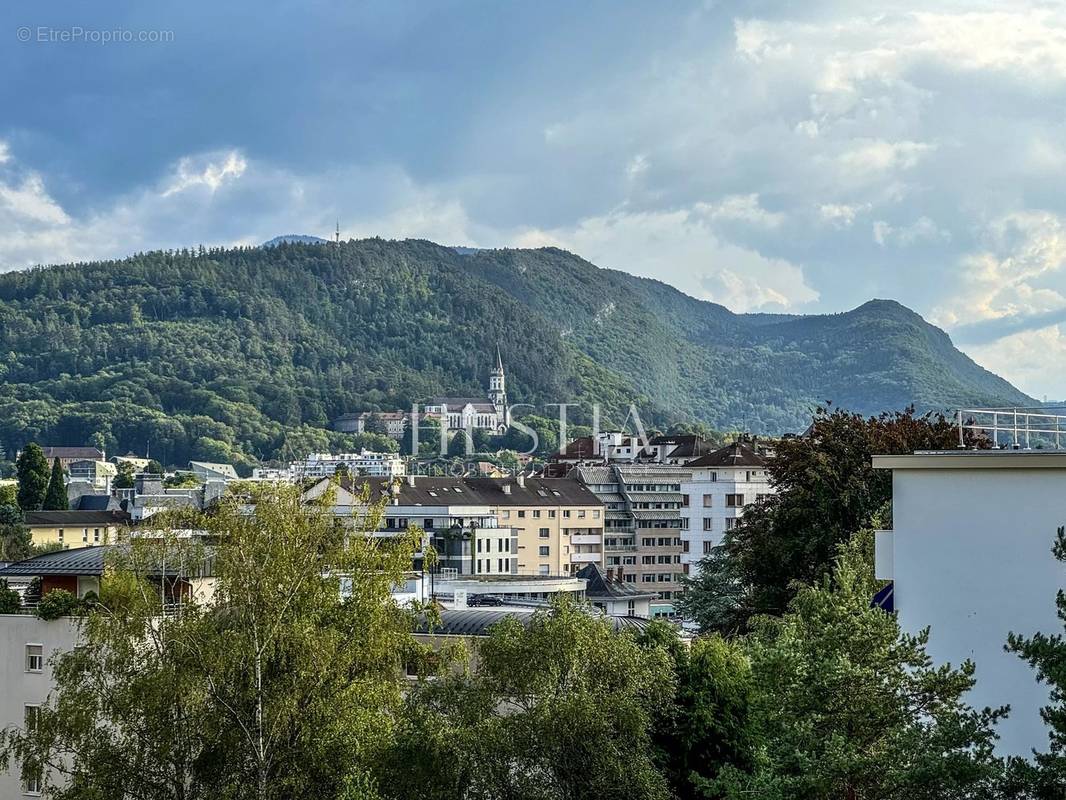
point(9, 599)
point(58, 603)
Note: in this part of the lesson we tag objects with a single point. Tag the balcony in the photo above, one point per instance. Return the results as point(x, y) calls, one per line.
point(586, 558)
point(620, 548)
point(585, 538)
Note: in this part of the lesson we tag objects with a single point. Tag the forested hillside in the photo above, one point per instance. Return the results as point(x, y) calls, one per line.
point(248, 353)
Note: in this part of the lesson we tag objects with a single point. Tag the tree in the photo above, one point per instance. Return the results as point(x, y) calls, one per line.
point(848, 706)
point(32, 472)
point(375, 424)
point(825, 490)
point(706, 725)
point(16, 542)
point(1047, 654)
point(154, 467)
point(55, 498)
point(559, 707)
point(284, 684)
point(124, 477)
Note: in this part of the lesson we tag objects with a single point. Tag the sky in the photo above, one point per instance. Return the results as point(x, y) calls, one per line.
point(798, 157)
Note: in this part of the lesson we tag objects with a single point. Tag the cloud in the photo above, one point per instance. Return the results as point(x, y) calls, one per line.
point(210, 171)
point(1029, 358)
point(922, 229)
point(666, 245)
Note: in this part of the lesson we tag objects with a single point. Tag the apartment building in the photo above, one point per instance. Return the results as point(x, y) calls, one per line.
point(722, 483)
point(74, 529)
point(27, 643)
point(559, 522)
point(642, 525)
point(462, 526)
point(969, 557)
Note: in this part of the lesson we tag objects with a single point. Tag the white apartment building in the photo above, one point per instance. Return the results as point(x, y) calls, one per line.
point(722, 483)
point(365, 462)
point(969, 555)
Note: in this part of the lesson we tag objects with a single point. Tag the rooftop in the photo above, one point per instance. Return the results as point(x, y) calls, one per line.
point(737, 454)
point(478, 622)
point(75, 518)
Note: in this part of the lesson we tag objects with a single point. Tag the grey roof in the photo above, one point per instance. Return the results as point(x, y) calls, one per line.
point(737, 454)
point(80, 561)
point(656, 497)
point(93, 502)
point(599, 475)
point(478, 622)
point(656, 513)
point(473, 491)
point(90, 453)
point(597, 585)
point(76, 518)
point(456, 403)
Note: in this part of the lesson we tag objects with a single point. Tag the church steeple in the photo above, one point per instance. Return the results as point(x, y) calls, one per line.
point(498, 383)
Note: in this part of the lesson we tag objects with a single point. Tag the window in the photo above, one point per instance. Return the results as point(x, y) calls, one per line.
point(708, 547)
point(544, 569)
point(479, 565)
point(522, 514)
point(536, 513)
point(566, 513)
point(734, 500)
point(708, 500)
point(499, 563)
point(61, 536)
point(595, 513)
point(544, 550)
point(96, 535)
point(684, 501)
point(544, 533)
point(581, 513)
point(707, 524)
point(506, 514)
point(551, 513)
point(631, 607)
point(730, 523)
point(647, 559)
point(34, 657)
point(479, 545)
point(85, 534)
point(427, 523)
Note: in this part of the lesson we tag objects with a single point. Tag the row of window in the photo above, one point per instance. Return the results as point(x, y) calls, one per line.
point(84, 535)
point(667, 559)
point(536, 513)
point(662, 541)
point(661, 577)
point(502, 545)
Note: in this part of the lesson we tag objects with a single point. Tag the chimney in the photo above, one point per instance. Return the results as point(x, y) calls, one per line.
point(506, 488)
point(520, 479)
point(411, 480)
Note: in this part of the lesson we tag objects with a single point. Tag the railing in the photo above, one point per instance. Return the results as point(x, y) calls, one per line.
point(1018, 426)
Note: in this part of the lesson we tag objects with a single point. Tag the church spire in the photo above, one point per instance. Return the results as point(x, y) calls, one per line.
point(499, 358)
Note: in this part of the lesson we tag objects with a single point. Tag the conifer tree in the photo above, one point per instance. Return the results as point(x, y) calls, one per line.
point(55, 498)
point(32, 473)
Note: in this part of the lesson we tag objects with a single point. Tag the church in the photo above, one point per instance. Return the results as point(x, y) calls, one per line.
point(475, 413)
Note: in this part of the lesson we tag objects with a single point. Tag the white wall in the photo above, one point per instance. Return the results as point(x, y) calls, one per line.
point(972, 560)
point(18, 687)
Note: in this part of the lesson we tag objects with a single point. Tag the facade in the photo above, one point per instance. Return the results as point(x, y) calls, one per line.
point(68, 454)
point(207, 471)
point(490, 413)
point(97, 474)
point(722, 484)
point(517, 526)
point(559, 522)
point(615, 447)
point(73, 529)
point(642, 525)
point(365, 462)
point(27, 643)
point(969, 556)
point(395, 422)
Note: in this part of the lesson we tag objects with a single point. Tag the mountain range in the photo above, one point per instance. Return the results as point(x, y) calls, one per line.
point(246, 354)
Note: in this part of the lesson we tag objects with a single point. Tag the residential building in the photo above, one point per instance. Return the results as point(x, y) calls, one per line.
point(97, 474)
point(68, 454)
point(969, 557)
point(148, 496)
point(27, 643)
point(613, 596)
point(462, 527)
point(558, 521)
point(395, 422)
point(207, 471)
point(642, 525)
point(139, 464)
point(74, 529)
point(722, 483)
point(365, 462)
point(615, 447)
point(475, 413)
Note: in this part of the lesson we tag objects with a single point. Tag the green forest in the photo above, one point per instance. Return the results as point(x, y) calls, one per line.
point(247, 354)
